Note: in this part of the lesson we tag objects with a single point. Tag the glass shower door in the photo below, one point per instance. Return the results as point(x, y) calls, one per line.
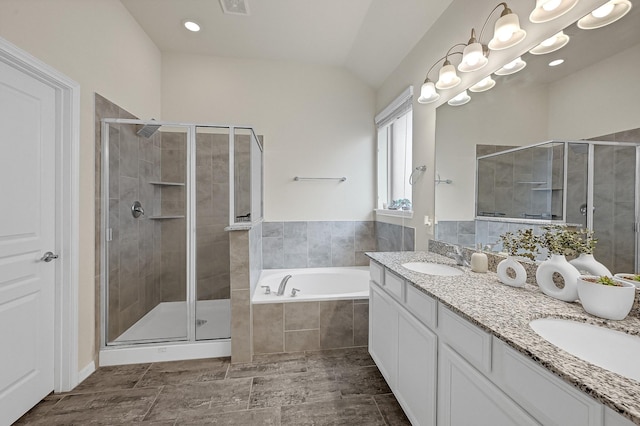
point(145, 182)
point(213, 288)
point(614, 206)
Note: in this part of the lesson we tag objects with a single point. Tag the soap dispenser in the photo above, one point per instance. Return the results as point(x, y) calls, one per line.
point(479, 260)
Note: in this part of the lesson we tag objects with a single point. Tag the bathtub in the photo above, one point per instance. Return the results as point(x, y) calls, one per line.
point(315, 284)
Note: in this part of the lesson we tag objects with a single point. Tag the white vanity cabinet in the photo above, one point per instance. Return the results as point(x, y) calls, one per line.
point(466, 397)
point(445, 370)
point(404, 349)
point(383, 333)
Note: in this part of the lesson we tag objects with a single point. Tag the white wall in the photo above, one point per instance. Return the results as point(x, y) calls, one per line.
point(599, 100)
point(501, 116)
point(316, 120)
point(99, 45)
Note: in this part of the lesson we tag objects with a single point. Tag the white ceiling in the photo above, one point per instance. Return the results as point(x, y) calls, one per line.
point(368, 37)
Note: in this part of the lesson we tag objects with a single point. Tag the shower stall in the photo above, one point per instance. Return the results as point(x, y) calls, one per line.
point(587, 184)
point(170, 194)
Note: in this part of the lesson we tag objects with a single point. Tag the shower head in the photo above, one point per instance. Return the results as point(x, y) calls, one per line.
point(148, 130)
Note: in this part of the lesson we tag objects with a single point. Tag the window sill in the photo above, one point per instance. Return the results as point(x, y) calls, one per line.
point(408, 214)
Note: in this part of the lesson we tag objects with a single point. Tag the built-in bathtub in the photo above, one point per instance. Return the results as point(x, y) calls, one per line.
point(330, 310)
point(313, 284)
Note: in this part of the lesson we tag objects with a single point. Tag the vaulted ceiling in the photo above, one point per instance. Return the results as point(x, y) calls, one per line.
point(367, 37)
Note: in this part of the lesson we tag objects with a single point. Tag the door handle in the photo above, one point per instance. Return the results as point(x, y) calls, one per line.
point(49, 256)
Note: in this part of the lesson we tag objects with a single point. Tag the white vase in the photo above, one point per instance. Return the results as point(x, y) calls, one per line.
point(520, 273)
point(605, 301)
point(557, 263)
point(587, 264)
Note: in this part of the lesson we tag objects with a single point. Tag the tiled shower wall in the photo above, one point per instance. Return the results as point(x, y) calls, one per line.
point(324, 244)
point(212, 215)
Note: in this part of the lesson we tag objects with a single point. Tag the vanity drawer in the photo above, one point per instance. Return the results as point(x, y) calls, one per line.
point(393, 284)
point(465, 338)
point(422, 306)
point(377, 273)
point(549, 399)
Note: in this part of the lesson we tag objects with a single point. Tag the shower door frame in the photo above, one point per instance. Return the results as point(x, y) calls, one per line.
point(190, 216)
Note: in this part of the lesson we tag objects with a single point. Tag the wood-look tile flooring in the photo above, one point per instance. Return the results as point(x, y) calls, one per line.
point(331, 387)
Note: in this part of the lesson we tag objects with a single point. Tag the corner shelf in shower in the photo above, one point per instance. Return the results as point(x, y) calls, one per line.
point(167, 183)
point(165, 217)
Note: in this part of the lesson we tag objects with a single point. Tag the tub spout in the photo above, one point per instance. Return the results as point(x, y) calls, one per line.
point(282, 285)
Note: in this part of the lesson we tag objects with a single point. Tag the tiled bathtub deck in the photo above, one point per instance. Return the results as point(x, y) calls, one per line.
point(332, 387)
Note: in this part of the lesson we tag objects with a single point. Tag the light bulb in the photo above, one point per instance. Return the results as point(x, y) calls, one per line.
point(550, 41)
point(511, 65)
point(551, 5)
point(603, 10)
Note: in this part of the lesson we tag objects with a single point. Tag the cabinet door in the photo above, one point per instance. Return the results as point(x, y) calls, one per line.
point(383, 333)
point(416, 379)
point(466, 397)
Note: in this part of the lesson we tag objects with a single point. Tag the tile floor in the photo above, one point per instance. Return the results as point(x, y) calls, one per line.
point(331, 387)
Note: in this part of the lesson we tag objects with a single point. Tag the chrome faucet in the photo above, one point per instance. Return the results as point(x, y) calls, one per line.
point(458, 255)
point(282, 285)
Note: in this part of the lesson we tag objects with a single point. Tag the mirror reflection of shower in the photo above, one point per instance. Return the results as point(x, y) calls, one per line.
point(587, 184)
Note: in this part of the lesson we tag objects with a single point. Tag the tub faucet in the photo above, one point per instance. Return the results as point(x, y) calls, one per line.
point(282, 285)
point(458, 255)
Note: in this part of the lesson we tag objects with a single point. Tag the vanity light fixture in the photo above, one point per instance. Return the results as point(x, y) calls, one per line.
point(191, 26)
point(483, 85)
point(512, 67)
point(428, 92)
point(556, 62)
point(551, 44)
point(606, 14)
point(460, 99)
point(548, 10)
point(474, 55)
point(507, 32)
point(447, 77)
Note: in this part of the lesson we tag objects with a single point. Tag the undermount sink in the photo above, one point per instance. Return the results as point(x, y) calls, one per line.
point(610, 349)
point(432, 268)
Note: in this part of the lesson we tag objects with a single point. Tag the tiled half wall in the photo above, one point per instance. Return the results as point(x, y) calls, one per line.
point(305, 326)
point(325, 244)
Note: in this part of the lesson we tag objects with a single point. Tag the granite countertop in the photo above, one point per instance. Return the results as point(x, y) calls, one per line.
point(506, 311)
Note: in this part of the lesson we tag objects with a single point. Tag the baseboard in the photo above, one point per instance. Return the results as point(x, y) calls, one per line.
point(86, 372)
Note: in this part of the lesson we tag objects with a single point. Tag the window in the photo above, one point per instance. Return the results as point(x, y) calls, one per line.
point(394, 125)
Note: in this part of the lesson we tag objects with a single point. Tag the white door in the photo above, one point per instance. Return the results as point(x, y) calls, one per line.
point(27, 232)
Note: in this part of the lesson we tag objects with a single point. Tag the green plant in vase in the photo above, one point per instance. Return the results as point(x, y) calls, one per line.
point(523, 243)
point(560, 241)
point(583, 243)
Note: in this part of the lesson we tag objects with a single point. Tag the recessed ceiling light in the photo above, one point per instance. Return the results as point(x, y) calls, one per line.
point(192, 26)
point(556, 62)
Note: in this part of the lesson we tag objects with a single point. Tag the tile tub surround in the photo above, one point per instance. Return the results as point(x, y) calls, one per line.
point(317, 387)
point(330, 243)
point(301, 326)
point(505, 312)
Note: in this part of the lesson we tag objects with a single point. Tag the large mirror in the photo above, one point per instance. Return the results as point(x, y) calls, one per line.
point(593, 95)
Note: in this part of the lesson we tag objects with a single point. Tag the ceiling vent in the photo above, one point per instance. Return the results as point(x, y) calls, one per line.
point(235, 7)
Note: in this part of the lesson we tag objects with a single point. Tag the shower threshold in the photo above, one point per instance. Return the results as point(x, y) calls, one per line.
point(167, 322)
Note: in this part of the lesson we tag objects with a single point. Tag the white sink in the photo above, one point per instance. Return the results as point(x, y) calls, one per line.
point(432, 268)
point(610, 349)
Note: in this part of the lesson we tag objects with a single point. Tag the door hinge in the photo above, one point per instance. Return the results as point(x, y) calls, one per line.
point(109, 234)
